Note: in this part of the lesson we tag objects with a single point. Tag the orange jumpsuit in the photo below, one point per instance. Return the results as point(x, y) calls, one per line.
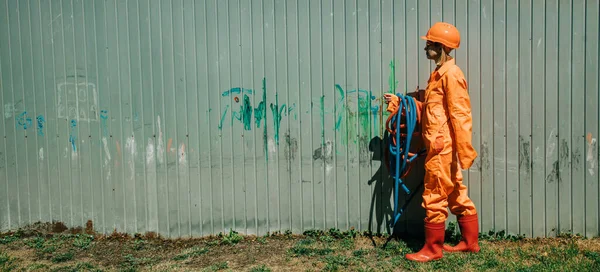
point(446, 130)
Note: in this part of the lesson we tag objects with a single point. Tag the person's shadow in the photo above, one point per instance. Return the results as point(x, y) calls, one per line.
point(409, 227)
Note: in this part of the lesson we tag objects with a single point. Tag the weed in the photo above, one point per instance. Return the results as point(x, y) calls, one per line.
point(62, 257)
point(36, 243)
point(305, 251)
point(83, 241)
point(139, 244)
point(218, 266)
point(37, 266)
point(9, 239)
point(360, 253)
point(84, 266)
point(7, 263)
point(500, 236)
point(332, 263)
point(260, 268)
point(262, 240)
point(347, 243)
point(327, 239)
point(190, 253)
point(231, 239)
point(306, 242)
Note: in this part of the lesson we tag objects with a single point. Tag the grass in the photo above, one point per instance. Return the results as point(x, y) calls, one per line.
point(329, 250)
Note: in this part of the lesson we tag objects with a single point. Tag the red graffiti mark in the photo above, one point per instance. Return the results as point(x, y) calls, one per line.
point(589, 138)
point(169, 144)
point(237, 99)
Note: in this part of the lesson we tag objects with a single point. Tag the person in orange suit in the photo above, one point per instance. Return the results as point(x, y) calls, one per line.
point(446, 124)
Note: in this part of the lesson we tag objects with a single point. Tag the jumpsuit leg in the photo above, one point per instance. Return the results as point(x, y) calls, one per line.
point(458, 199)
point(438, 185)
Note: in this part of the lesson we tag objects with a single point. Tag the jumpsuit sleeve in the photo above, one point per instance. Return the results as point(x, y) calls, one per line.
point(459, 106)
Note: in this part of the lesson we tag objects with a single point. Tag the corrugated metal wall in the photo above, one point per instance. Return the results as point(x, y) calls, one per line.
point(193, 117)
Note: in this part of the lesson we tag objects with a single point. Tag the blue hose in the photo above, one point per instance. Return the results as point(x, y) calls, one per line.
point(399, 166)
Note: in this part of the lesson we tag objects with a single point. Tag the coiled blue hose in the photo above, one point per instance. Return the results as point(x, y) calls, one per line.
point(399, 150)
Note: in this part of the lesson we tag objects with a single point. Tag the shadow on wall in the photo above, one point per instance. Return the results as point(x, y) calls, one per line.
point(410, 223)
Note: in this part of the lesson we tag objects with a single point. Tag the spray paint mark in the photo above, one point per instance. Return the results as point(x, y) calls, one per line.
point(182, 156)
point(160, 146)
point(392, 83)
point(223, 117)
point(339, 105)
point(150, 152)
point(590, 153)
point(359, 111)
point(130, 147)
point(106, 150)
point(23, 121)
point(41, 154)
point(322, 113)
point(277, 112)
point(236, 91)
point(73, 136)
point(169, 144)
point(104, 122)
point(291, 108)
point(245, 113)
point(264, 116)
point(40, 125)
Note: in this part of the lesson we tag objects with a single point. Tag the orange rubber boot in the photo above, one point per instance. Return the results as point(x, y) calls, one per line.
point(434, 240)
point(469, 230)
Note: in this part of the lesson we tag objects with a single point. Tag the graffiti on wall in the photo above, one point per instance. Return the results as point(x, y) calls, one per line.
point(77, 101)
point(357, 112)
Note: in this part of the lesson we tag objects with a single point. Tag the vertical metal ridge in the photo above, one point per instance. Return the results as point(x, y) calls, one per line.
point(24, 103)
point(231, 135)
point(77, 118)
point(287, 102)
point(35, 89)
point(155, 126)
point(143, 116)
point(572, 225)
point(175, 117)
point(212, 224)
point(162, 72)
point(262, 13)
point(356, 123)
point(335, 157)
point(322, 105)
point(220, 133)
point(135, 219)
point(121, 156)
point(197, 89)
point(346, 119)
point(312, 145)
point(85, 37)
point(254, 159)
point(8, 217)
point(245, 182)
point(12, 79)
point(101, 155)
point(45, 110)
point(274, 117)
point(187, 123)
point(299, 120)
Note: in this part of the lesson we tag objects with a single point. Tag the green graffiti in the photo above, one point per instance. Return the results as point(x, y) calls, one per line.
point(392, 83)
point(245, 113)
point(339, 107)
point(358, 121)
point(223, 117)
point(264, 116)
point(277, 113)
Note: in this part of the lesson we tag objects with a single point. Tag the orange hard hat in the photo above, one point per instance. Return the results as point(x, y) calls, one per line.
point(443, 33)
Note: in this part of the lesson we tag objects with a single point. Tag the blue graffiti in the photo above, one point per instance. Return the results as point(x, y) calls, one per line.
point(23, 121)
point(104, 117)
point(40, 124)
point(72, 136)
point(236, 91)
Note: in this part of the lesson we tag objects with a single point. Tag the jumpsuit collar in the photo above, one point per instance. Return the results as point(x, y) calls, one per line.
point(445, 67)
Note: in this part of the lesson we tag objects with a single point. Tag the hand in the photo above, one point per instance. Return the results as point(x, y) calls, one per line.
point(389, 97)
